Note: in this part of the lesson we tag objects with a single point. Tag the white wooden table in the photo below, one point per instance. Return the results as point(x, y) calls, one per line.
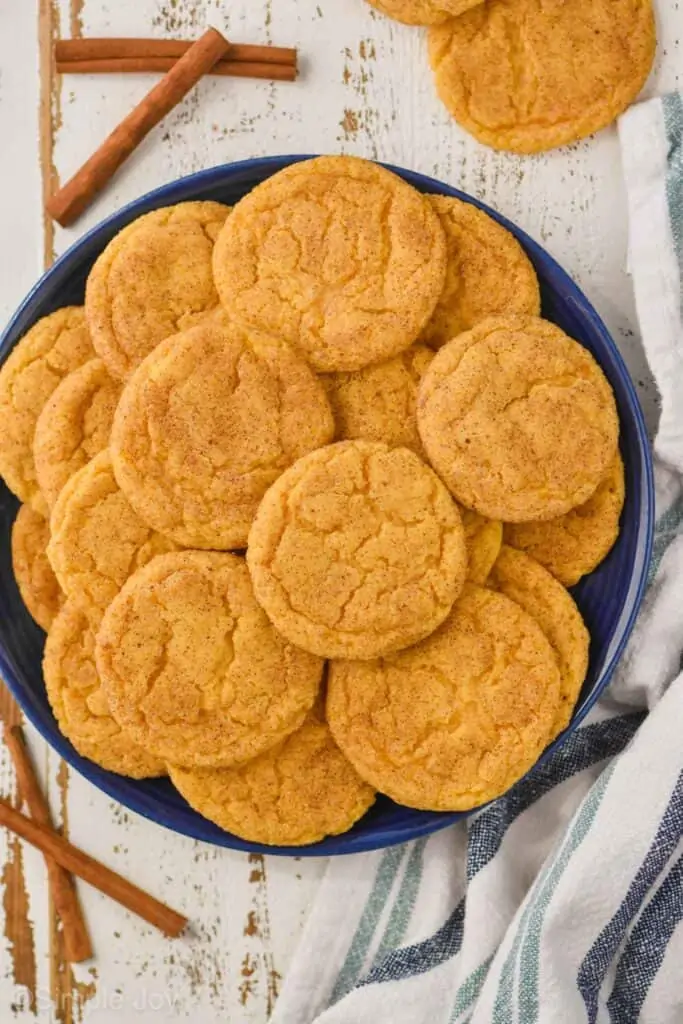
point(365, 89)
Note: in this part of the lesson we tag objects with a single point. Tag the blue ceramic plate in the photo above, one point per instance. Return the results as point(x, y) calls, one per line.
point(609, 599)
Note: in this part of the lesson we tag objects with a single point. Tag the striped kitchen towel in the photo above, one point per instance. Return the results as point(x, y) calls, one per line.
point(562, 901)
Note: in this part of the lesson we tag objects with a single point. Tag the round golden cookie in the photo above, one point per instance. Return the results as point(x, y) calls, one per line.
point(205, 426)
point(153, 280)
point(79, 704)
point(533, 588)
point(337, 256)
point(378, 402)
point(423, 12)
point(357, 550)
point(53, 348)
point(488, 273)
point(98, 540)
point(528, 76)
point(456, 720)
point(575, 544)
point(518, 419)
point(296, 793)
point(483, 538)
point(35, 578)
point(74, 426)
point(193, 669)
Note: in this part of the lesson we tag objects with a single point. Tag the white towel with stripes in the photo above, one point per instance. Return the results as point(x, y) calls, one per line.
point(563, 901)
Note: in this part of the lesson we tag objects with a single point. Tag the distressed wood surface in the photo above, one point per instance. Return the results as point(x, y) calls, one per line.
point(365, 89)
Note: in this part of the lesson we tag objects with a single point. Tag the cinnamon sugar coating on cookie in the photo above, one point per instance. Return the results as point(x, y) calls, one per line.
point(153, 280)
point(35, 577)
point(297, 793)
point(338, 256)
point(193, 669)
point(457, 719)
point(528, 76)
point(74, 426)
point(518, 419)
point(53, 348)
point(532, 587)
point(79, 704)
point(207, 423)
point(357, 550)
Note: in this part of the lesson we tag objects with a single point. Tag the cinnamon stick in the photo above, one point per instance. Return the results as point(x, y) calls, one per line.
point(90, 870)
point(140, 65)
point(77, 943)
point(71, 200)
point(76, 50)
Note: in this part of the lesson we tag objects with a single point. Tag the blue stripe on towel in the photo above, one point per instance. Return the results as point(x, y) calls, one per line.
point(646, 947)
point(586, 747)
point(597, 961)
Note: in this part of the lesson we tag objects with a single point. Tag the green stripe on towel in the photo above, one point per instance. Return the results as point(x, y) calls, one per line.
point(367, 926)
point(530, 927)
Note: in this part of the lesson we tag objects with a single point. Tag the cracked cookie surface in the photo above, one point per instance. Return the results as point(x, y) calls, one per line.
point(98, 540)
point(534, 74)
point(532, 587)
point(423, 12)
point(74, 426)
point(378, 402)
point(79, 704)
point(336, 255)
point(518, 419)
point(457, 719)
point(207, 423)
point(487, 274)
point(575, 544)
point(299, 792)
point(192, 667)
point(154, 279)
point(53, 348)
point(38, 586)
point(357, 550)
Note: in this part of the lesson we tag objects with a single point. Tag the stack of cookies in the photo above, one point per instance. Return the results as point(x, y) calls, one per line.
point(304, 483)
point(526, 76)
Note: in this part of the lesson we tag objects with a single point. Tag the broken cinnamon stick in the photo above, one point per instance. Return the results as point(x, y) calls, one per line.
point(71, 200)
point(77, 943)
point(141, 65)
point(90, 870)
point(75, 50)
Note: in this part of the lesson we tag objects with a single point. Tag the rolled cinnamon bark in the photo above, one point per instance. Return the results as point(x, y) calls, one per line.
point(71, 200)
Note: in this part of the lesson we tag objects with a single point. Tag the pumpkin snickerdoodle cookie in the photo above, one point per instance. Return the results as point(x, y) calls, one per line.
point(528, 76)
point(532, 587)
point(457, 719)
point(79, 704)
point(35, 577)
point(74, 426)
point(518, 419)
point(296, 793)
point(98, 540)
point(54, 347)
point(575, 544)
point(357, 550)
point(193, 669)
point(423, 12)
point(338, 256)
point(207, 423)
point(488, 273)
point(378, 402)
point(483, 538)
point(152, 280)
